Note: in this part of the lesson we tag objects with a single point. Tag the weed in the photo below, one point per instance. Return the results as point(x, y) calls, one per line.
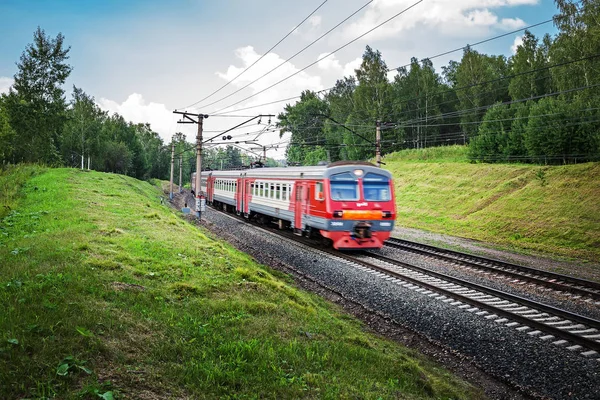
point(540, 175)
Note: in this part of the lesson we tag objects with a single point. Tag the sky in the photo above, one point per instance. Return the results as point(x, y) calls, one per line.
point(146, 58)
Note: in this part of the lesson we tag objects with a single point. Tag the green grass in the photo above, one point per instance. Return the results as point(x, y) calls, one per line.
point(104, 293)
point(550, 209)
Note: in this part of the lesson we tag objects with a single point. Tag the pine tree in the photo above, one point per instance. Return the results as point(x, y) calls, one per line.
point(36, 104)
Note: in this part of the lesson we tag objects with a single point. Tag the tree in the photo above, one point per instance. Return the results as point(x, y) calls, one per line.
point(36, 103)
point(81, 133)
point(372, 102)
point(416, 102)
point(479, 86)
point(527, 58)
point(492, 139)
point(305, 121)
point(340, 100)
point(6, 133)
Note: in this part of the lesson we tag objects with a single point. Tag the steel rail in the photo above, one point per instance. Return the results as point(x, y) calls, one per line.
point(564, 283)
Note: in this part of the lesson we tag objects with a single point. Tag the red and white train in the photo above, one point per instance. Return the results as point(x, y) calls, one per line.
point(350, 203)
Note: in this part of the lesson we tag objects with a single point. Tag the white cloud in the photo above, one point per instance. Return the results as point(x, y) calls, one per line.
point(450, 17)
point(5, 84)
point(513, 23)
point(315, 21)
point(136, 110)
point(310, 29)
point(518, 41)
point(333, 65)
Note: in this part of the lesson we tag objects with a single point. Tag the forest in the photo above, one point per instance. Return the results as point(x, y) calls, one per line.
point(38, 125)
point(538, 106)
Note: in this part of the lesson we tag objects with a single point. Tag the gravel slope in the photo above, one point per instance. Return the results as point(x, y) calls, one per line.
point(499, 351)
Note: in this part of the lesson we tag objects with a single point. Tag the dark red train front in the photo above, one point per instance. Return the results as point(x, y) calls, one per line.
point(360, 206)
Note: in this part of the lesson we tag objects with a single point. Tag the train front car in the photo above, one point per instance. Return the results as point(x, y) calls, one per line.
point(360, 205)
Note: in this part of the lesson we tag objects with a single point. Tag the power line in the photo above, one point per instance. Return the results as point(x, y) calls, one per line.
point(474, 44)
point(306, 47)
point(264, 55)
point(426, 58)
point(321, 58)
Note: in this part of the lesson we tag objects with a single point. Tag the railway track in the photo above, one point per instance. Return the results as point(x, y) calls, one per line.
point(559, 327)
point(587, 290)
point(553, 325)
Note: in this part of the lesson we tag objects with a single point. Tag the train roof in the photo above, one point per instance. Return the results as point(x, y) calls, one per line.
point(318, 172)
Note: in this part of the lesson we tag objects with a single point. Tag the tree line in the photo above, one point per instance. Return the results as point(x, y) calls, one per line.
point(539, 105)
point(39, 125)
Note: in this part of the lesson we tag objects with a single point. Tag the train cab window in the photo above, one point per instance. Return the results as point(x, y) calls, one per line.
point(344, 187)
point(319, 195)
point(376, 187)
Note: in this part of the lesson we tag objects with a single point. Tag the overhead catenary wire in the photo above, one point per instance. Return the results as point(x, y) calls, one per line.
point(223, 113)
point(322, 58)
point(474, 44)
point(261, 57)
point(292, 57)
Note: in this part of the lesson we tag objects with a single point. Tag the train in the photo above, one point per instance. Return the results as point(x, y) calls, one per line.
point(349, 204)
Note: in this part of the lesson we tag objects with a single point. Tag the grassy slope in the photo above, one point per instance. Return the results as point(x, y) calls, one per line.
point(553, 209)
point(103, 291)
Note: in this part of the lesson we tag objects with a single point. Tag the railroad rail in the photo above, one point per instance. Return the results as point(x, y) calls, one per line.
point(547, 322)
point(563, 283)
point(557, 326)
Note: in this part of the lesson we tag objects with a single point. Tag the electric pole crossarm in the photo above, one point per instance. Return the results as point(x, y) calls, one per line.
point(238, 125)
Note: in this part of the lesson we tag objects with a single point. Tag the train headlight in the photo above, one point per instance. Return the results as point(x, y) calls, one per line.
point(358, 172)
point(338, 214)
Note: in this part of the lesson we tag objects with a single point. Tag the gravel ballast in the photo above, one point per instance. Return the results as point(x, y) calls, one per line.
point(525, 362)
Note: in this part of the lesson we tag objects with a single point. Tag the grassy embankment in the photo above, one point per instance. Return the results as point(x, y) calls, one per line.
point(551, 209)
point(104, 293)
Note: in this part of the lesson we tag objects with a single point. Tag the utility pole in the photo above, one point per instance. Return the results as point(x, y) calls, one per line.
point(172, 165)
point(180, 170)
point(378, 144)
point(265, 155)
point(189, 120)
point(199, 166)
point(199, 141)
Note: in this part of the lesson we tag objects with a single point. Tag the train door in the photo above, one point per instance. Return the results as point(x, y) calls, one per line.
point(247, 194)
point(239, 196)
point(209, 189)
point(298, 207)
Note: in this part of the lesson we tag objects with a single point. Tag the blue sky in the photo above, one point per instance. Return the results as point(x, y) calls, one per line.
point(145, 58)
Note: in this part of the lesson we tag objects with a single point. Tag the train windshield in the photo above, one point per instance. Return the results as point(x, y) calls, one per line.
point(376, 187)
point(344, 187)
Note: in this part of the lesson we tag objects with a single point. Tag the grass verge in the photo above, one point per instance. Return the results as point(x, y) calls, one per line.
point(104, 293)
point(550, 209)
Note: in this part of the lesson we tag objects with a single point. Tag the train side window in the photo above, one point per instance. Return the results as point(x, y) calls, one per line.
point(319, 195)
point(278, 192)
point(262, 190)
point(272, 193)
point(283, 192)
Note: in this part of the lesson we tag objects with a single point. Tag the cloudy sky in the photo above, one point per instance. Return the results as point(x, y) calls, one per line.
point(146, 58)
